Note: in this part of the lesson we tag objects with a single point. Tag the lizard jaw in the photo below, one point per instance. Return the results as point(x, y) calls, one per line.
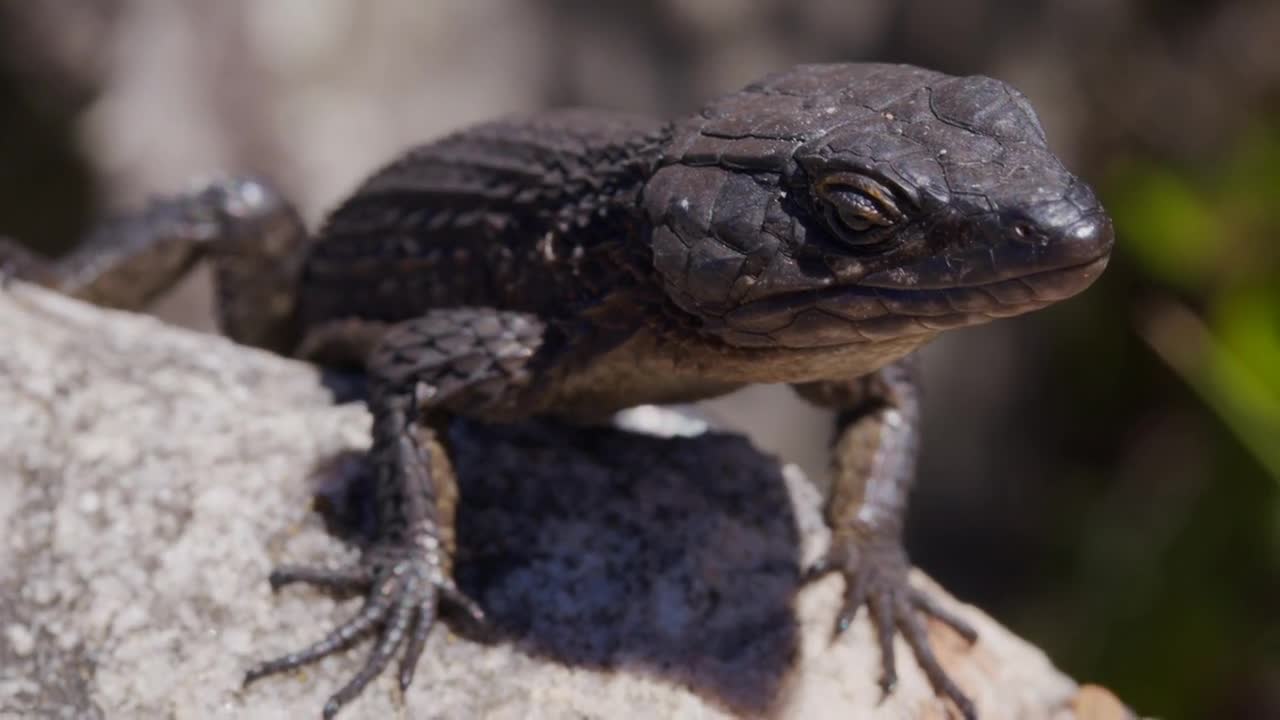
point(859, 314)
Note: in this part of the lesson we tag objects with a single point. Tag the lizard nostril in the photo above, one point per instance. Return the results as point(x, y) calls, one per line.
point(1022, 230)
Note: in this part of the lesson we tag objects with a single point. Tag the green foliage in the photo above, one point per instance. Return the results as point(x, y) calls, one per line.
point(1179, 583)
point(1209, 245)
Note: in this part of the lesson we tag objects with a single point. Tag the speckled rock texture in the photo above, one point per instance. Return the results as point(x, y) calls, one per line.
point(150, 477)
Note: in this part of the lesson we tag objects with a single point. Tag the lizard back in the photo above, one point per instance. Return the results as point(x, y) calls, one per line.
point(515, 214)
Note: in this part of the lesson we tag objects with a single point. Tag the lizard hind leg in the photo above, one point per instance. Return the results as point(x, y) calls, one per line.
point(252, 235)
point(257, 262)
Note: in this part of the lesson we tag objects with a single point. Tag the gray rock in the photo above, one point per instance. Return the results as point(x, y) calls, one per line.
point(150, 477)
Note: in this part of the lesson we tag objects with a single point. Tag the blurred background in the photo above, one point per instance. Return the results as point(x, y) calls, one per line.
point(1102, 476)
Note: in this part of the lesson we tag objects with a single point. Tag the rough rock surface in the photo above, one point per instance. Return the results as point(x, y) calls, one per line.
point(151, 476)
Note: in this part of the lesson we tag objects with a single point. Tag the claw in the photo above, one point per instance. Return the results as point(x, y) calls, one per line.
point(855, 594)
point(459, 598)
point(337, 639)
point(914, 632)
point(933, 608)
point(392, 637)
point(357, 578)
point(417, 641)
point(402, 587)
point(883, 615)
point(876, 576)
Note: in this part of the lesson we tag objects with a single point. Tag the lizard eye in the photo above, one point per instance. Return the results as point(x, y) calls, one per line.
point(856, 206)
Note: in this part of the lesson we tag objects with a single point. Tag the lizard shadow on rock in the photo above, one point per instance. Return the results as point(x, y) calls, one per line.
point(595, 547)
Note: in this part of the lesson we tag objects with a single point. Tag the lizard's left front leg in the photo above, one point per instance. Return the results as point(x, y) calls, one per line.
point(873, 469)
point(475, 361)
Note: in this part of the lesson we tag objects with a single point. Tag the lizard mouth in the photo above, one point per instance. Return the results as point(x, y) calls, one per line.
point(874, 312)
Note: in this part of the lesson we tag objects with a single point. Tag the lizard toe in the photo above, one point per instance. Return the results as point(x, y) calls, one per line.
point(403, 585)
point(876, 575)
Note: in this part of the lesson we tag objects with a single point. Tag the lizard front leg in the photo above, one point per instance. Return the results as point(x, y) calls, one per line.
point(474, 361)
point(873, 470)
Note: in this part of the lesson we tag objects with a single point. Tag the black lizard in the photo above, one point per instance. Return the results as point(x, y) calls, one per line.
point(814, 228)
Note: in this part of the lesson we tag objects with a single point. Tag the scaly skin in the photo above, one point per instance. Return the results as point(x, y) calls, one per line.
point(814, 228)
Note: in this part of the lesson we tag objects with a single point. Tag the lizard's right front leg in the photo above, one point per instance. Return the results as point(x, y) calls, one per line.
point(472, 360)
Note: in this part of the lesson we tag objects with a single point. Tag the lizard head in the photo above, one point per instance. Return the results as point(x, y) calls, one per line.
point(841, 204)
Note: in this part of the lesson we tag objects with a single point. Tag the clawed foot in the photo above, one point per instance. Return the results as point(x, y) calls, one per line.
point(402, 585)
point(875, 574)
